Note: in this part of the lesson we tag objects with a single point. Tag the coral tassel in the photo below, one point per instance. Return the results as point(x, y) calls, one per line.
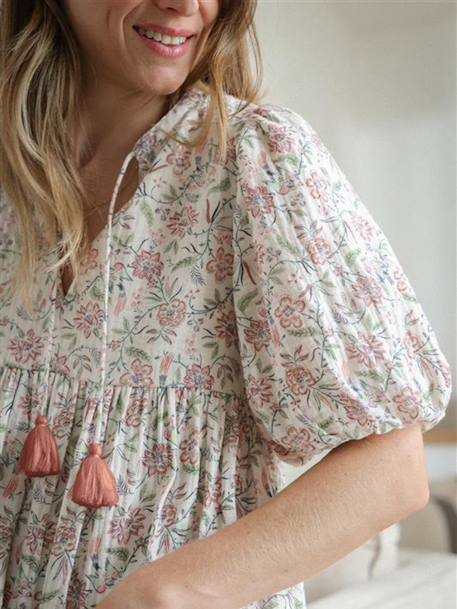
point(40, 455)
point(95, 485)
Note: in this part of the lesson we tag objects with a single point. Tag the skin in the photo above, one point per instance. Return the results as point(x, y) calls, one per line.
point(352, 494)
point(124, 82)
point(357, 490)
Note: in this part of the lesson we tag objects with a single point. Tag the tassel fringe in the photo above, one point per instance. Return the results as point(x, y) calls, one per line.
point(95, 485)
point(40, 455)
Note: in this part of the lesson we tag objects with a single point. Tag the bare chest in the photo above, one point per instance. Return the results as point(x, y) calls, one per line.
point(97, 207)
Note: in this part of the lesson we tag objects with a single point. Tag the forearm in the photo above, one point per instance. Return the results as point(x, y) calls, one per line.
point(356, 491)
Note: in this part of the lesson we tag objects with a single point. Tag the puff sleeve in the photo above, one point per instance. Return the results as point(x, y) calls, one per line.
point(333, 344)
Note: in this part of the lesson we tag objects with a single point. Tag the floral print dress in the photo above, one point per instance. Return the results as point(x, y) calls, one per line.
point(256, 314)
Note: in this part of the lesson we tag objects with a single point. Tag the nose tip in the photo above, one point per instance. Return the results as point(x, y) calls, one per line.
point(183, 7)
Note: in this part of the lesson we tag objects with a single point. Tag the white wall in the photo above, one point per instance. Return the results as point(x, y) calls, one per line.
point(377, 80)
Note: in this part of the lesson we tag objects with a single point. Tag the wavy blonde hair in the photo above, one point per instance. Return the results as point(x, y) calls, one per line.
point(40, 95)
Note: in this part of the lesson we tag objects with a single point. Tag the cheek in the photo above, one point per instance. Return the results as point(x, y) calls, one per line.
point(209, 10)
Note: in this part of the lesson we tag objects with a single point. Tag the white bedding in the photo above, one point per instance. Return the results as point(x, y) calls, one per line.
point(423, 580)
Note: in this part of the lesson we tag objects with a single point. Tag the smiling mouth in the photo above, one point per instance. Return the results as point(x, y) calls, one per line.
point(141, 32)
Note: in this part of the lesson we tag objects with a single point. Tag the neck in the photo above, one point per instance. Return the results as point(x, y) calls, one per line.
point(111, 122)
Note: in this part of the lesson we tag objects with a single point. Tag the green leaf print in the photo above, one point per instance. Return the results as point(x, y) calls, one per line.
point(185, 262)
point(244, 302)
point(147, 212)
point(224, 185)
point(49, 597)
point(134, 352)
point(351, 257)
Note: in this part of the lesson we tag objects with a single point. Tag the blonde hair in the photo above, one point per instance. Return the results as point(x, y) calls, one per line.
point(40, 96)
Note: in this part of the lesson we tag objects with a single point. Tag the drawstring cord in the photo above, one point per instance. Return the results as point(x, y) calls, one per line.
point(95, 485)
point(107, 267)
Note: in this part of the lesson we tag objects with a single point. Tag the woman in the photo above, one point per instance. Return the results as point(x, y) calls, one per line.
point(191, 293)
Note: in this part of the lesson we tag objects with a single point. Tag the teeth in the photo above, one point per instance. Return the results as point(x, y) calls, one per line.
point(171, 40)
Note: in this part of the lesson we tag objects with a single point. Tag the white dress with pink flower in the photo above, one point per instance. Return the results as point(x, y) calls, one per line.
point(256, 314)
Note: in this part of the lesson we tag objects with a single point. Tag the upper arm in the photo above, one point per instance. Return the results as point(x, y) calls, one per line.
point(334, 345)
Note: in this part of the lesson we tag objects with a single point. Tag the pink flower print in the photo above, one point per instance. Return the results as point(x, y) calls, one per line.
point(190, 347)
point(213, 495)
point(77, 593)
point(300, 380)
point(263, 160)
point(402, 283)
point(318, 143)
point(280, 140)
point(171, 314)
point(258, 390)
point(178, 224)
point(10, 488)
point(368, 350)
point(287, 185)
point(148, 266)
point(88, 318)
point(120, 304)
point(141, 374)
point(137, 299)
point(189, 448)
point(275, 336)
point(62, 423)
point(198, 377)
point(159, 460)
point(134, 412)
point(115, 345)
point(258, 334)
point(363, 228)
point(65, 540)
point(224, 239)
point(260, 254)
point(26, 403)
point(318, 187)
point(158, 236)
point(259, 200)
point(221, 265)
point(126, 525)
point(290, 312)
point(166, 362)
point(23, 590)
point(296, 441)
point(34, 539)
point(226, 328)
point(26, 349)
point(368, 290)
point(409, 401)
point(355, 411)
point(168, 514)
point(179, 160)
point(49, 527)
point(61, 365)
point(319, 250)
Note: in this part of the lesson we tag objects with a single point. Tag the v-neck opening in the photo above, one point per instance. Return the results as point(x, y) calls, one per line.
point(142, 153)
point(70, 295)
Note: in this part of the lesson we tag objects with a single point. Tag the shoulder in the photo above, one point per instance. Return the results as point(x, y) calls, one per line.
point(275, 127)
point(274, 137)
